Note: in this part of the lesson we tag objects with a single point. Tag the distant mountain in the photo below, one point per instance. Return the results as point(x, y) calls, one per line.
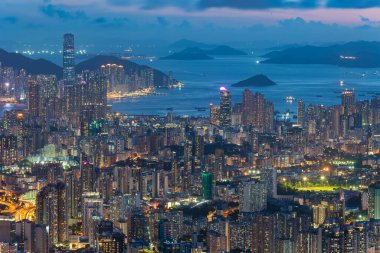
point(255, 81)
point(224, 50)
point(189, 54)
point(45, 67)
point(184, 43)
point(160, 79)
point(34, 67)
point(360, 54)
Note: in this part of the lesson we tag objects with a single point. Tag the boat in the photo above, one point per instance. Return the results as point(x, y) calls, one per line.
point(169, 109)
point(290, 99)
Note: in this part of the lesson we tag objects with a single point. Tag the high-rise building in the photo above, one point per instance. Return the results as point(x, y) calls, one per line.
point(247, 117)
point(92, 211)
point(89, 175)
point(8, 149)
point(215, 114)
point(257, 112)
point(301, 113)
point(25, 235)
point(264, 234)
point(253, 196)
point(225, 107)
point(51, 210)
point(94, 96)
point(74, 192)
point(207, 191)
point(108, 240)
point(47, 93)
point(374, 201)
point(33, 98)
point(348, 101)
point(68, 59)
point(114, 75)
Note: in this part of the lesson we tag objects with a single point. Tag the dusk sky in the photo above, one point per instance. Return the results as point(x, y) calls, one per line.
point(277, 21)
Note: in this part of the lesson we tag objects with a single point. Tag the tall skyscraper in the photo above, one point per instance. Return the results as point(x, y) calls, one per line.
point(225, 107)
point(301, 113)
point(68, 59)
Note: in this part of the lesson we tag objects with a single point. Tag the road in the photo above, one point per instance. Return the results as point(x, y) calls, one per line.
point(18, 209)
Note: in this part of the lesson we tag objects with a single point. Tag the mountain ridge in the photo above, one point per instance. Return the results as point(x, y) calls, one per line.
point(361, 54)
point(45, 67)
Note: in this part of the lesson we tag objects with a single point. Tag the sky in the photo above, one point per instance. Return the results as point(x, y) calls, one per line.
point(106, 22)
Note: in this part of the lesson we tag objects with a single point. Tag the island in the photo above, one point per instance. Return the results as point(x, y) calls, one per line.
point(225, 50)
point(358, 54)
point(255, 81)
point(189, 54)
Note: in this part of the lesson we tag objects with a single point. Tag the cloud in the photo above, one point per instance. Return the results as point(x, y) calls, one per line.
point(355, 4)
point(259, 4)
point(364, 19)
point(193, 5)
point(156, 4)
point(51, 10)
point(10, 19)
point(111, 22)
point(100, 20)
point(368, 21)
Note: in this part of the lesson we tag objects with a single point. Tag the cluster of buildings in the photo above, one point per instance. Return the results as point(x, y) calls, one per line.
point(77, 177)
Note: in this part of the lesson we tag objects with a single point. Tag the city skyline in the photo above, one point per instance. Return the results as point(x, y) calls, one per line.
point(114, 146)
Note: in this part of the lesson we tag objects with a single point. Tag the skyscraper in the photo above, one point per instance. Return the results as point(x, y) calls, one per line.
point(68, 59)
point(301, 113)
point(225, 107)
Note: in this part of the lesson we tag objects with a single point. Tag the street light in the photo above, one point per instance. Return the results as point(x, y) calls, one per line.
point(323, 178)
point(305, 180)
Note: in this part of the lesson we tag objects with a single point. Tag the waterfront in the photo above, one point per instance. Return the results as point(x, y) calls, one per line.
point(319, 84)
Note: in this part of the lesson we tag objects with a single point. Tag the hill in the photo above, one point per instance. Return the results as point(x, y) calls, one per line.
point(360, 54)
point(160, 79)
point(224, 50)
point(34, 67)
point(189, 54)
point(45, 67)
point(255, 81)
